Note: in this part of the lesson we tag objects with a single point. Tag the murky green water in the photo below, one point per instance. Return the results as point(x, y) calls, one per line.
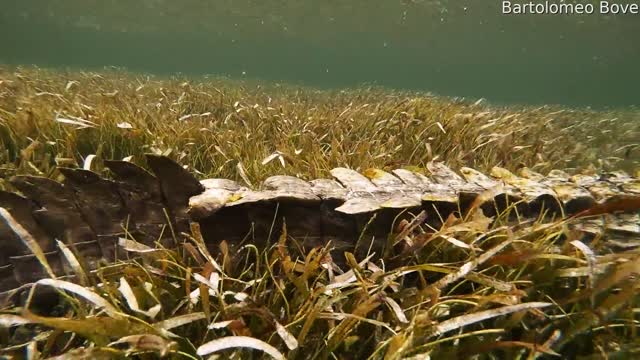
point(457, 48)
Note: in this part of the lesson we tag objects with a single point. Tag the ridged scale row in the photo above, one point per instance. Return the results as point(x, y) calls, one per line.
point(90, 213)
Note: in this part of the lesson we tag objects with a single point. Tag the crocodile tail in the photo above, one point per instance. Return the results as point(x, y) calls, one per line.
point(90, 213)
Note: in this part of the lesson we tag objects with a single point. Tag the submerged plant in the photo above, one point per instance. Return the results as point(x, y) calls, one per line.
point(472, 287)
point(221, 128)
point(467, 290)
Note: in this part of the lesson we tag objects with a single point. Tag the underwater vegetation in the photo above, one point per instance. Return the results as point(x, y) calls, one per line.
point(474, 287)
point(217, 127)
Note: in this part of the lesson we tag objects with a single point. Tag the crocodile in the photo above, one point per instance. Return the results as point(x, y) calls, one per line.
point(91, 213)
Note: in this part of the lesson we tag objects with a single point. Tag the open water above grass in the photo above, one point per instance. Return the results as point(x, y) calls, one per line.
point(454, 48)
